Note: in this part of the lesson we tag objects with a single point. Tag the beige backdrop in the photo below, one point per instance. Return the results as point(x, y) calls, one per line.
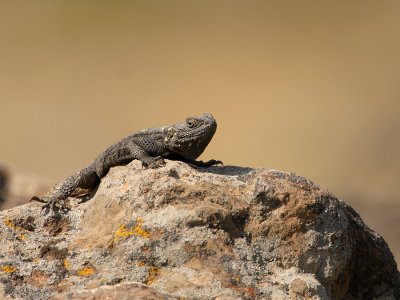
point(310, 87)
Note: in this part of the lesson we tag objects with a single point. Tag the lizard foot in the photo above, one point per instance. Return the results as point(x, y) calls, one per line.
point(213, 162)
point(206, 164)
point(154, 163)
point(36, 198)
point(53, 205)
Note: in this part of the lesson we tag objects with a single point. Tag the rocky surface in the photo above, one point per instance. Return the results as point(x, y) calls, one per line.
point(179, 231)
point(17, 187)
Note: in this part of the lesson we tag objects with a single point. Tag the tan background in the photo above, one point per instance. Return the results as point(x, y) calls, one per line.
point(310, 87)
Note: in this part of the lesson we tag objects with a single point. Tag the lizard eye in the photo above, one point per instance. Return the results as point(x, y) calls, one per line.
point(190, 123)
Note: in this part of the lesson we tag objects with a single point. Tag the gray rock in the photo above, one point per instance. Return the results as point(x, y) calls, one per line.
point(179, 231)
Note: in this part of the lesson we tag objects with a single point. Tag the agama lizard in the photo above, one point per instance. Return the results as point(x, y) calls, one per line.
point(182, 141)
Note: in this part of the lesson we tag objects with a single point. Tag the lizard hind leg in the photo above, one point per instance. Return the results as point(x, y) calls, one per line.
point(55, 198)
point(87, 179)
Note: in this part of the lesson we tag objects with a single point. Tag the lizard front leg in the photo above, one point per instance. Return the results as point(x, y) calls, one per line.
point(147, 160)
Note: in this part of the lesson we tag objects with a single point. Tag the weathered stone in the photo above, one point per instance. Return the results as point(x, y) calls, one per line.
point(178, 231)
point(120, 291)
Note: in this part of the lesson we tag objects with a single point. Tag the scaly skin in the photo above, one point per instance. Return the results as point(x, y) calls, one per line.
point(182, 141)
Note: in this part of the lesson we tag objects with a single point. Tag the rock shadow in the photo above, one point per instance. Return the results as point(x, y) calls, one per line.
point(227, 170)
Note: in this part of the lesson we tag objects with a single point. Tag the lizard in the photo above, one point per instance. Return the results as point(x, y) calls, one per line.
point(183, 141)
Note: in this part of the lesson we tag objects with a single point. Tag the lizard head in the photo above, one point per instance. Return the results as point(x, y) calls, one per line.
point(190, 138)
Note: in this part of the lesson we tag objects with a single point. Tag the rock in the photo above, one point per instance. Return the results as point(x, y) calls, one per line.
point(17, 187)
point(180, 231)
point(120, 291)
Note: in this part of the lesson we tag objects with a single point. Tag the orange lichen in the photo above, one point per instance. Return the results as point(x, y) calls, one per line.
point(140, 263)
point(8, 269)
point(153, 273)
point(86, 271)
point(10, 224)
point(124, 232)
point(66, 264)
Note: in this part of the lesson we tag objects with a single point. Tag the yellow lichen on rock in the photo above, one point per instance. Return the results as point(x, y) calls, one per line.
point(8, 269)
point(10, 224)
point(86, 271)
point(140, 263)
point(66, 264)
point(124, 232)
point(153, 273)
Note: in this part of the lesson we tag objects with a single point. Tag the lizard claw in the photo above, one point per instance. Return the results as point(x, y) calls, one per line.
point(205, 164)
point(154, 163)
point(53, 205)
point(36, 198)
point(216, 162)
point(213, 162)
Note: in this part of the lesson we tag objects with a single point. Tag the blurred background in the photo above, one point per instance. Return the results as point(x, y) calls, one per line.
point(310, 87)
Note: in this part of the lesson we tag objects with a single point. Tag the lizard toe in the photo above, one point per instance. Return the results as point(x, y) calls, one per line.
point(54, 206)
point(216, 162)
point(155, 163)
point(213, 162)
point(36, 198)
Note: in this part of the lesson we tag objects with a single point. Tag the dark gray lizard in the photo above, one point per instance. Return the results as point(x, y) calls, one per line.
point(182, 141)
